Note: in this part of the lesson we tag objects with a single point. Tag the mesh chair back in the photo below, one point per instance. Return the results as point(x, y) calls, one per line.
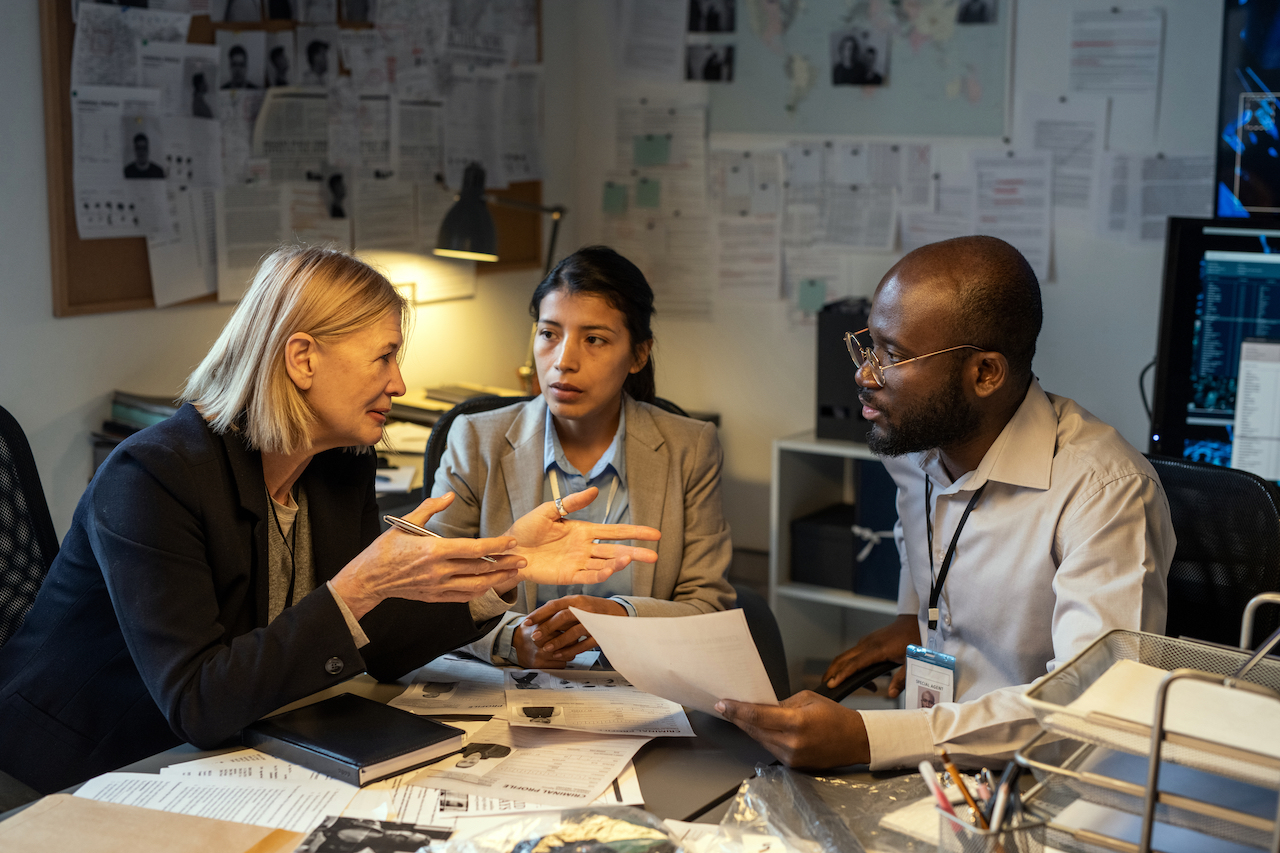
point(1228, 527)
point(28, 542)
point(440, 430)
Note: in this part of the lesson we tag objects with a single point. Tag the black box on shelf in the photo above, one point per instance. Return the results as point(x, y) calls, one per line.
point(877, 574)
point(823, 547)
point(839, 412)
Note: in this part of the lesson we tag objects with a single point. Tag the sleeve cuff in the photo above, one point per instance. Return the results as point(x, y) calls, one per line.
point(626, 605)
point(357, 633)
point(490, 605)
point(898, 738)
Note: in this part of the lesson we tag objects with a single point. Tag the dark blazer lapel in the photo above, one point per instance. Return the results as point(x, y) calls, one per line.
point(251, 492)
point(648, 461)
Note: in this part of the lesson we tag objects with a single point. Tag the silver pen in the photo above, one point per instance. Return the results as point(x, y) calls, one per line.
point(410, 527)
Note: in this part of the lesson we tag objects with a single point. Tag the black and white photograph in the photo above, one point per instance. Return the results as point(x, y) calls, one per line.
point(280, 59)
point(712, 16)
point(976, 12)
point(143, 144)
point(546, 715)
point(358, 11)
point(198, 76)
point(317, 54)
point(355, 835)
point(280, 10)
point(859, 57)
point(335, 195)
point(243, 56)
point(235, 11)
point(710, 62)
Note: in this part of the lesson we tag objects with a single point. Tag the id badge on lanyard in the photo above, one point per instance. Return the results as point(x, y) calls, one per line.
point(931, 677)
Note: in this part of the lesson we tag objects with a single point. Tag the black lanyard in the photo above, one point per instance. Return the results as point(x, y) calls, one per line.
point(936, 590)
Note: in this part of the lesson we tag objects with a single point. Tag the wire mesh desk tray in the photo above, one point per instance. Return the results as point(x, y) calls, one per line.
point(1209, 804)
point(1051, 697)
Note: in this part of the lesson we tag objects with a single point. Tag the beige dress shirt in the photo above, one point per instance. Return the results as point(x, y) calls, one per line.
point(1071, 539)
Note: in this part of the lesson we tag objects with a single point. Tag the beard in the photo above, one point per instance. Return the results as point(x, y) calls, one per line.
point(942, 419)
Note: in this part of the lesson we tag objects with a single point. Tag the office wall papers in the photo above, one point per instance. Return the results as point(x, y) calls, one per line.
point(693, 660)
point(1011, 200)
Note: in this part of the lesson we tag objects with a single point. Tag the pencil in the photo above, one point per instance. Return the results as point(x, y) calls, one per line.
point(964, 789)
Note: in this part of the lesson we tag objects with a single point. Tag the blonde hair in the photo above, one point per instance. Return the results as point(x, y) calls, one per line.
point(242, 384)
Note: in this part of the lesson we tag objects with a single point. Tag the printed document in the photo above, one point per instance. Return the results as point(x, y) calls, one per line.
point(693, 660)
point(585, 701)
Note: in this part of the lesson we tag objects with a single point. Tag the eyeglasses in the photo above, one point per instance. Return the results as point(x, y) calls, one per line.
point(866, 357)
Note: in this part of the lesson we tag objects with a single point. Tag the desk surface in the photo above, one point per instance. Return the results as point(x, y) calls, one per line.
point(681, 778)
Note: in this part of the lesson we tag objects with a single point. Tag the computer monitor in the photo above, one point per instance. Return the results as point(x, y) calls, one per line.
point(1217, 388)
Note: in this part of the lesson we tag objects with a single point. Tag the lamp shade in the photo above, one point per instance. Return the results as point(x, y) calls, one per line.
point(467, 229)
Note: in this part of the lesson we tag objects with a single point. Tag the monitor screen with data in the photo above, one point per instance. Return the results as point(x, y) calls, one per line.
point(1217, 388)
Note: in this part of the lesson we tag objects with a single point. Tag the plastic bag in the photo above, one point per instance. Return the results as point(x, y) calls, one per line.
point(608, 829)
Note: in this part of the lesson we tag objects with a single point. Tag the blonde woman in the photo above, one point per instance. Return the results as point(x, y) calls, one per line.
point(227, 561)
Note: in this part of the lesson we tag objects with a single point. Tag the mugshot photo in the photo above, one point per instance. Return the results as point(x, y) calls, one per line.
point(712, 16)
point(859, 57)
point(317, 53)
point(198, 77)
point(976, 12)
point(143, 144)
point(243, 55)
point(710, 62)
point(280, 63)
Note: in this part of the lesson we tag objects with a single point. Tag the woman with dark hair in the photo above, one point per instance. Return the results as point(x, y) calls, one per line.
point(593, 425)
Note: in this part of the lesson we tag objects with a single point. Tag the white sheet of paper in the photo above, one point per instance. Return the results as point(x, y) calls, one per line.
point(251, 221)
point(651, 36)
point(451, 697)
point(521, 123)
point(296, 806)
point(596, 702)
point(1128, 828)
point(170, 68)
point(182, 259)
point(292, 131)
point(547, 766)
point(1210, 712)
point(1074, 129)
point(108, 41)
point(693, 660)
point(1139, 192)
point(749, 256)
point(862, 217)
point(1012, 194)
point(243, 764)
point(473, 125)
point(384, 215)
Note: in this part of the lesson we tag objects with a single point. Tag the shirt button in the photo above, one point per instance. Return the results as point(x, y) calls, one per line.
point(333, 666)
point(946, 620)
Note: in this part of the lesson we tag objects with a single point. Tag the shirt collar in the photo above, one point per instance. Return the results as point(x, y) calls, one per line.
point(1022, 455)
point(553, 453)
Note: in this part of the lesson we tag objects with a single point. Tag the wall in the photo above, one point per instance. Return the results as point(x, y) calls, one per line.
point(754, 366)
point(750, 362)
point(57, 374)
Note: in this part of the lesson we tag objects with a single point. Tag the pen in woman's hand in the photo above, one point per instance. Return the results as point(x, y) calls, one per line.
point(410, 527)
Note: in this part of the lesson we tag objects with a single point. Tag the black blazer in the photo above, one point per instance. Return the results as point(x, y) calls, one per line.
point(151, 627)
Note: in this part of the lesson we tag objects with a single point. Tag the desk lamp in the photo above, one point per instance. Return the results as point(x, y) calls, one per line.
point(467, 232)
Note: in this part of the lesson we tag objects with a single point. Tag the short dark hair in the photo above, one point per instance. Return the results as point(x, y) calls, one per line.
point(601, 271)
point(276, 52)
point(998, 304)
point(141, 136)
point(315, 47)
point(238, 49)
point(336, 178)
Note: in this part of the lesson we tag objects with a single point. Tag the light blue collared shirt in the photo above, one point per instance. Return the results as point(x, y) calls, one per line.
point(611, 467)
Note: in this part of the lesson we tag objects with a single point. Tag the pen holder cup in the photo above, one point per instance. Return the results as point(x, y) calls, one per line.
point(957, 835)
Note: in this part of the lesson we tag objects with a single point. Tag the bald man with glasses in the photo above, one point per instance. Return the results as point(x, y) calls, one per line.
point(1027, 527)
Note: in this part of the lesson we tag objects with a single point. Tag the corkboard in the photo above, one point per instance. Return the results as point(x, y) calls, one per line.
point(99, 276)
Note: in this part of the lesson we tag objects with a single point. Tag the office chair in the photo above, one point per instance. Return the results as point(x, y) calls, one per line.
point(28, 542)
point(1228, 526)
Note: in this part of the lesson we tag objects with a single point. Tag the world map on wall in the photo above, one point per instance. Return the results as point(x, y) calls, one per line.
point(937, 74)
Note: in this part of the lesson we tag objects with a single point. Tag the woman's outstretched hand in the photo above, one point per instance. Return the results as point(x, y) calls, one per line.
point(564, 551)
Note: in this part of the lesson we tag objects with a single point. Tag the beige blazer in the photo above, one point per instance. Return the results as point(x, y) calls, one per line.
point(493, 462)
